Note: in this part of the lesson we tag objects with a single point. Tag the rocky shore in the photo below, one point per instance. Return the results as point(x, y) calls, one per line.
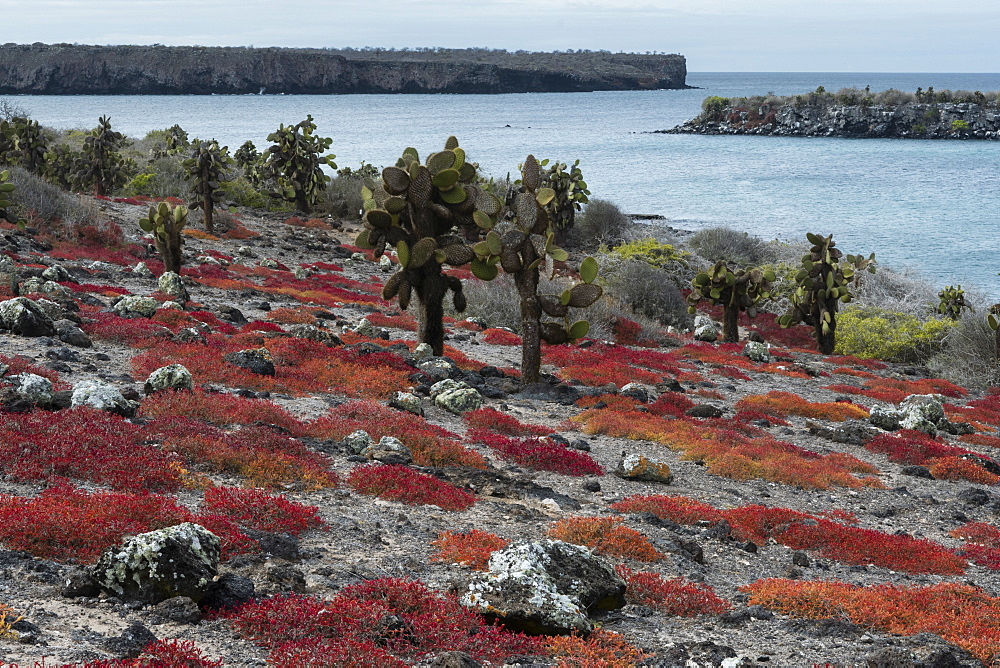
point(911, 121)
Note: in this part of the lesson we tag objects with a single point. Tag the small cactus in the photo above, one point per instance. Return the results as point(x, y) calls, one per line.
point(823, 283)
point(6, 189)
point(207, 168)
point(294, 163)
point(952, 301)
point(165, 224)
point(735, 291)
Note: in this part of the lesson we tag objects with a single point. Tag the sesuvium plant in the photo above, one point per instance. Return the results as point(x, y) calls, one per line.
point(294, 163)
point(206, 169)
point(165, 224)
point(521, 246)
point(426, 212)
point(823, 284)
point(735, 290)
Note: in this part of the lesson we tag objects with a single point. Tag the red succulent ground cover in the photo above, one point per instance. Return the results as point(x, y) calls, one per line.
point(260, 511)
point(783, 404)
point(404, 485)
point(894, 390)
point(733, 449)
point(349, 630)
point(160, 654)
point(539, 454)
point(961, 614)
point(672, 596)
point(607, 536)
point(982, 543)
point(501, 423)
point(802, 531)
point(501, 337)
point(472, 548)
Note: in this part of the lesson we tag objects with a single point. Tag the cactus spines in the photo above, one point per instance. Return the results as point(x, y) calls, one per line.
point(823, 283)
point(207, 168)
point(294, 162)
point(424, 210)
point(952, 301)
point(735, 291)
point(165, 223)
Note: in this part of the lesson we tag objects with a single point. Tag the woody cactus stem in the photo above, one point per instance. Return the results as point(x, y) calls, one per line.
point(823, 283)
point(735, 291)
point(993, 320)
point(207, 168)
point(527, 243)
point(424, 210)
point(165, 224)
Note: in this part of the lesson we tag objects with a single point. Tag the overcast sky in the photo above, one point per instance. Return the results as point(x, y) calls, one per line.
point(715, 35)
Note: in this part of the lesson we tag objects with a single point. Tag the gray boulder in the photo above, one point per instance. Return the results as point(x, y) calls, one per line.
point(705, 329)
point(170, 377)
point(68, 332)
point(406, 401)
point(141, 270)
point(757, 352)
point(455, 396)
point(102, 396)
point(58, 274)
point(358, 441)
point(314, 333)
point(136, 306)
point(545, 587)
point(23, 316)
point(439, 368)
point(181, 560)
point(389, 450)
point(254, 360)
point(31, 388)
point(170, 283)
point(638, 467)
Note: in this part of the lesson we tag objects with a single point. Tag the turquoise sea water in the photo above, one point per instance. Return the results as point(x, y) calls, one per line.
point(934, 206)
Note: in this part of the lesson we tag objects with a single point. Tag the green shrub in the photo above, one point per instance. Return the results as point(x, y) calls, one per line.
point(240, 192)
point(889, 335)
point(919, 129)
point(713, 108)
point(968, 357)
point(959, 125)
point(653, 253)
point(161, 177)
point(647, 290)
point(343, 194)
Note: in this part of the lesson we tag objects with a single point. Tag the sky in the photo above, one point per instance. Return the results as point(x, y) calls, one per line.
point(714, 35)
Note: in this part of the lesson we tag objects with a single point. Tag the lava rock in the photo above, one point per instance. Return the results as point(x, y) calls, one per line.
point(180, 609)
point(24, 317)
point(229, 591)
point(639, 467)
point(170, 283)
point(704, 411)
point(254, 360)
point(170, 377)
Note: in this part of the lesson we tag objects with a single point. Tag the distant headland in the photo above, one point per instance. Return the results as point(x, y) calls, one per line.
point(67, 69)
point(854, 113)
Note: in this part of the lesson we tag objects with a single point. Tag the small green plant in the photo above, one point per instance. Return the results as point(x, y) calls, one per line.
point(248, 159)
point(101, 166)
point(165, 223)
point(654, 253)
point(6, 189)
point(919, 129)
point(421, 210)
point(735, 291)
point(60, 165)
point(876, 333)
point(959, 125)
point(294, 162)
point(521, 251)
point(823, 284)
point(952, 302)
point(206, 168)
point(714, 108)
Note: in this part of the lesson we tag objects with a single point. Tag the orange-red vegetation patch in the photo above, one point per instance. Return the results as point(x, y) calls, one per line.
point(960, 468)
point(680, 509)
point(615, 402)
point(472, 548)
point(961, 614)
point(19, 364)
point(134, 332)
point(404, 485)
point(399, 321)
point(984, 440)
point(501, 423)
point(734, 450)
point(257, 510)
point(348, 630)
point(783, 404)
point(950, 462)
point(985, 410)
point(672, 596)
point(601, 364)
point(851, 360)
point(501, 337)
point(539, 454)
point(218, 408)
point(292, 316)
point(893, 390)
point(430, 445)
point(309, 224)
point(601, 648)
point(199, 234)
point(982, 543)
point(84, 444)
point(607, 536)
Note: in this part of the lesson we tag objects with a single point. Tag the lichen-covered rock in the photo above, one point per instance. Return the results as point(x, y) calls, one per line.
point(52, 309)
point(389, 450)
point(455, 396)
point(705, 329)
point(170, 283)
point(188, 335)
point(922, 412)
point(638, 467)
point(301, 273)
point(364, 328)
point(406, 401)
point(207, 259)
point(439, 368)
point(31, 388)
point(359, 257)
point(545, 587)
point(170, 306)
point(357, 441)
point(142, 271)
point(254, 360)
point(57, 273)
point(132, 306)
point(385, 264)
point(885, 418)
point(638, 391)
point(102, 396)
point(170, 377)
point(314, 333)
point(181, 560)
point(269, 263)
point(68, 332)
point(422, 352)
point(23, 316)
point(757, 352)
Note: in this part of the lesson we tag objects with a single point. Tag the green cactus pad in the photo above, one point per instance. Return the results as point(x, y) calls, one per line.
point(458, 254)
point(419, 192)
point(526, 211)
point(484, 270)
point(552, 306)
point(579, 329)
point(456, 195)
point(545, 195)
point(482, 220)
point(395, 180)
point(445, 179)
point(403, 253)
point(438, 162)
point(530, 173)
point(583, 295)
point(422, 252)
point(379, 218)
point(588, 270)
point(488, 203)
point(494, 243)
point(395, 204)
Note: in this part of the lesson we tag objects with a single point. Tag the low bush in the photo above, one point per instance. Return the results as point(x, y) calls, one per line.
point(649, 291)
point(501, 423)
point(50, 208)
point(783, 404)
point(404, 485)
point(539, 454)
point(725, 243)
point(602, 223)
point(680, 509)
point(606, 536)
point(672, 596)
point(260, 511)
point(890, 336)
point(968, 354)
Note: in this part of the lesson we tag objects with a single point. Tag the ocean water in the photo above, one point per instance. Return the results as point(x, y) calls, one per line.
point(929, 206)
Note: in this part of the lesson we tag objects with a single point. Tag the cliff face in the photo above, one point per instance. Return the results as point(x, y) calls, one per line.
point(909, 121)
point(142, 70)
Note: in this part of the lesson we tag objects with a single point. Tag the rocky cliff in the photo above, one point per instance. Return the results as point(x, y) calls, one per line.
point(41, 69)
point(907, 121)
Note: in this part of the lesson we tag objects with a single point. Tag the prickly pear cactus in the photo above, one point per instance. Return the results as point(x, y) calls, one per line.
point(571, 193)
point(521, 247)
point(102, 166)
point(294, 163)
point(993, 321)
point(823, 283)
point(165, 224)
point(249, 161)
point(6, 190)
point(207, 168)
point(952, 301)
point(735, 291)
point(425, 211)
point(29, 145)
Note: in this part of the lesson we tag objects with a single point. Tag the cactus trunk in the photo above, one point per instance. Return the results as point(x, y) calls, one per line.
point(431, 294)
point(996, 343)
point(302, 202)
point(531, 315)
point(730, 323)
point(206, 202)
